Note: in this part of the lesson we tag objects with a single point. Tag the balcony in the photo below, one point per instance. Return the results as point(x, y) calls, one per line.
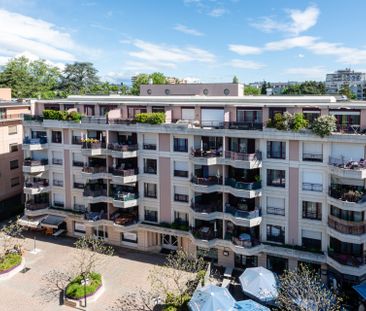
point(123, 151)
point(347, 260)
point(33, 144)
point(123, 176)
point(206, 184)
point(32, 206)
point(242, 188)
point(347, 227)
point(92, 147)
point(35, 166)
point(95, 196)
point(243, 160)
point(33, 187)
point(94, 172)
point(124, 219)
point(350, 194)
point(347, 169)
point(312, 157)
point(125, 199)
point(205, 233)
point(312, 187)
point(243, 240)
point(243, 218)
point(246, 126)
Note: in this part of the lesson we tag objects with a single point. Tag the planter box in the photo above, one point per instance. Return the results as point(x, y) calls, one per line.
point(7, 274)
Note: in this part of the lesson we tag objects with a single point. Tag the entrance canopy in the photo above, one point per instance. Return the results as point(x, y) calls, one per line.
point(53, 222)
point(30, 222)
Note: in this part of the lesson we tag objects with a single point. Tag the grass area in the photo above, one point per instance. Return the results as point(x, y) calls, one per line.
point(75, 289)
point(10, 261)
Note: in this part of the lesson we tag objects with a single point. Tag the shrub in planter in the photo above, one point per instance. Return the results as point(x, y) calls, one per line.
point(75, 289)
point(10, 260)
point(298, 122)
point(324, 125)
point(49, 114)
point(150, 117)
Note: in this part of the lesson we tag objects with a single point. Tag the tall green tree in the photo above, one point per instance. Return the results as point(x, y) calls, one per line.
point(264, 88)
point(30, 78)
point(79, 78)
point(143, 78)
point(251, 90)
point(346, 91)
point(235, 80)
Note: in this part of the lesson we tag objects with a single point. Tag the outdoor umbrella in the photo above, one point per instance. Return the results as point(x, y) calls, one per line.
point(250, 305)
point(211, 298)
point(260, 283)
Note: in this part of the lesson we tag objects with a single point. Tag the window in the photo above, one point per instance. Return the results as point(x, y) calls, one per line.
point(130, 237)
point(276, 206)
point(14, 164)
point(311, 210)
point(150, 190)
point(151, 215)
point(12, 129)
point(249, 115)
point(276, 150)
point(181, 194)
point(180, 169)
point(276, 178)
point(312, 240)
point(100, 232)
point(79, 228)
point(180, 144)
point(275, 234)
point(277, 264)
point(158, 109)
point(346, 215)
point(56, 137)
point(13, 147)
point(243, 262)
point(14, 182)
point(150, 166)
point(58, 179)
point(181, 218)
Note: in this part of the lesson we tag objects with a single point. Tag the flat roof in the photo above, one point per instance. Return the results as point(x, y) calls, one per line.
point(13, 103)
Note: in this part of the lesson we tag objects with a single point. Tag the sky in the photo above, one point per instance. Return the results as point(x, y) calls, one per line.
point(205, 40)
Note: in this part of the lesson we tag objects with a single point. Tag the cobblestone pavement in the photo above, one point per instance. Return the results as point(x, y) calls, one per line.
point(124, 272)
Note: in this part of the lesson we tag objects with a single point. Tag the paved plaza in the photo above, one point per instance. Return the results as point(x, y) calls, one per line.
point(123, 272)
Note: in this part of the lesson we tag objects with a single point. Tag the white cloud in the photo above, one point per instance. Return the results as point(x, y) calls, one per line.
point(290, 43)
point(23, 34)
point(244, 49)
point(209, 7)
point(317, 72)
point(187, 30)
point(298, 21)
point(300, 55)
point(245, 64)
point(217, 12)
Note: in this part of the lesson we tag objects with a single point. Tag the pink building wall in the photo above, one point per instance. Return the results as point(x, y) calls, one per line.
point(164, 142)
point(67, 179)
point(165, 189)
point(294, 150)
point(265, 115)
point(293, 209)
point(363, 119)
point(5, 93)
point(176, 113)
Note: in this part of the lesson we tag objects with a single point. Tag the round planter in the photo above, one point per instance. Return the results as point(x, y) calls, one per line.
point(7, 274)
point(90, 297)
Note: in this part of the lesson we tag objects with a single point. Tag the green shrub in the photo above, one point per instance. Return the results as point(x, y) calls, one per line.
point(49, 114)
point(298, 122)
point(75, 290)
point(9, 261)
point(288, 121)
point(175, 303)
point(150, 117)
point(324, 125)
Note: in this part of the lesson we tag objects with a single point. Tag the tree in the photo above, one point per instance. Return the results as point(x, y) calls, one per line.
point(324, 125)
point(235, 80)
point(305, 88)
point(251, 90)
point(303, 290)
point(30, 78)
point(346, 91)
point(79, 78)
point(12, 238)
point(138, 300)
point(264, 88)
point(143, 78)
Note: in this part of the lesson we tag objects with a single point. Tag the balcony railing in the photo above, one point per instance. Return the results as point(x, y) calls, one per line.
point(347, 260)
point(93, 145)
point(313, 157)
point(78, 163)
point(78, 185)
point(36, 184)
point(206, 208)
point(179, 173)
point(181, 197)
point(122, 172)
point(35, 162)
point(124, 219)
point(245, 243)
point(271, 154)
point(207, 181)
point(243, 156)
point(244, 125)
point(35, 141)
point(125, 196)
point(32, 206)
point(242, 214)
point(276, 238)
point(347, 194)
point(312, 187)
point(76, 140)
point(350, 165)
point(212, 153)
point(94, 169)
point(346, 227)
point(95, 193)
point(57, 161)
point(275, 211)
point(348, 128)
point(122, 147)
point(149, 146)
point(58, 183)
point(150, 170)
point(205, 233)
point(29, 117)
point(255, 185)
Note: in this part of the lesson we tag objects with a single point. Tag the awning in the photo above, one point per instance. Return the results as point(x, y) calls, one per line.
point(361, 290)
point(30, 222)
point(52, 222)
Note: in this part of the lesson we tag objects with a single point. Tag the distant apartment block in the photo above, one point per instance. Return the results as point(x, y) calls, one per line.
point(212, 179)
point(355, 80)
point(11, 154)
point(276, 88)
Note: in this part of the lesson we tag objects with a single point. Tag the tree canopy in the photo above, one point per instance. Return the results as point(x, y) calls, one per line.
point(251, 90)
point(305, 88)
point(143, 78)
point(346, 91)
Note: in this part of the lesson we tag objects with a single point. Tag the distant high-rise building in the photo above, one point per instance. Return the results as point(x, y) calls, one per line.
point(355, 80)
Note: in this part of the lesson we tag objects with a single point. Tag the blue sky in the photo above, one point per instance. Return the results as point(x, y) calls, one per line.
point(209, 40)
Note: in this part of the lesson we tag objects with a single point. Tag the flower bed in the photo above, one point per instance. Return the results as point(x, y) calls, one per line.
point(75, 289)
point(10, 262)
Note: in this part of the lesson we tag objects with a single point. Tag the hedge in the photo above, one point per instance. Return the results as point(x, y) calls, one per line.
point(150, 117)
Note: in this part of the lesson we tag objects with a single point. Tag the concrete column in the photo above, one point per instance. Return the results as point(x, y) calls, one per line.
point(293, 210)
point(165, 186)
point(292, 263)
point(67, 179)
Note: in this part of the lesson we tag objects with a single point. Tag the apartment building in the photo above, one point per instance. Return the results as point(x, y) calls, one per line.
point(355, 80)
point(212, 179)
point(11, 155)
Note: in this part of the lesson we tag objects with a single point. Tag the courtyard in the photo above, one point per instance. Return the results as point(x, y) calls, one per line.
point(124, 272)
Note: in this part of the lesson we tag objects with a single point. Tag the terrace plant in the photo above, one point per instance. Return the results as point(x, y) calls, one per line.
point(324, 125)
point(49, 114)
point(150, 117)
point(288, 122)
